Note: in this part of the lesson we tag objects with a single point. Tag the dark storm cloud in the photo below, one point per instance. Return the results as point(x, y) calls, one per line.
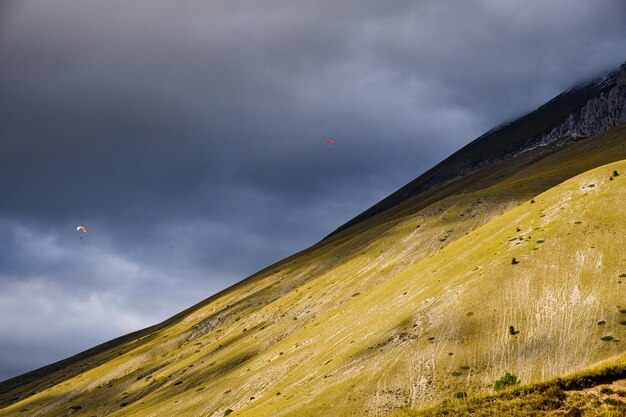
point(188, 136)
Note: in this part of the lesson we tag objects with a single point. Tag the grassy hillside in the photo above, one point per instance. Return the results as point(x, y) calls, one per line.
point(403, 309)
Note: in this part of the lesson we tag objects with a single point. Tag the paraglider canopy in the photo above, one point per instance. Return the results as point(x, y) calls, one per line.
point(81, 229)
point(330, 142)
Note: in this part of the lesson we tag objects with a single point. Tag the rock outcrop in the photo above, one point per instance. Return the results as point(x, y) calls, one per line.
point(599, 114)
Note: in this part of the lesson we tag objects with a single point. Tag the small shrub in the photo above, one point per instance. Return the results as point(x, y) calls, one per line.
point(614, 403)
point(228, 411)
point(507, 380)
point(601, 322)
point(606, 338)
point(532, 201)
point(457, 373)
point(623, 322)
point(76, 407)
point(606, 391)
point(577, 222)
point(514, 261)
point(540, 241)
point(465, 367)
point(460, 395)
point(623, 311)
point(622, 275)
point(615, 174)
point(512, 331)
point(469, 313)
point(555, 393)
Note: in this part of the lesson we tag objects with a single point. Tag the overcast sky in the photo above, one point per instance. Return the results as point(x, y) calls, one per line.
point(188, 136)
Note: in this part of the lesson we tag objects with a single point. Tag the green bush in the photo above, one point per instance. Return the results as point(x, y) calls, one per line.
point(507, 380)
point(460, 395)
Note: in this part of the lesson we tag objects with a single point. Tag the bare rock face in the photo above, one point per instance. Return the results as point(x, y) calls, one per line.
point(600, 113)
point(621, 78)
point(597, 115)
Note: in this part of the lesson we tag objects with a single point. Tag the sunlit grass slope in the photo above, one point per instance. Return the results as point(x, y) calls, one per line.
point(403, 309)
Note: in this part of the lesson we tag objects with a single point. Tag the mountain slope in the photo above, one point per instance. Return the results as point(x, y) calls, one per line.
point(365, 321)
point(319, 364)
point(582, 111)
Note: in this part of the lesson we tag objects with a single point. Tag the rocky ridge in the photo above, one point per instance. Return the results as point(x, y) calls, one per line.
point(600, 113)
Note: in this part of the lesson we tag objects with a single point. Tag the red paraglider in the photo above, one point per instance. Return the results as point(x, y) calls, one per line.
point(330, 142)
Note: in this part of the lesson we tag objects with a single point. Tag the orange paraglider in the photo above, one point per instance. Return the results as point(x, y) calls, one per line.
point(81, 229)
